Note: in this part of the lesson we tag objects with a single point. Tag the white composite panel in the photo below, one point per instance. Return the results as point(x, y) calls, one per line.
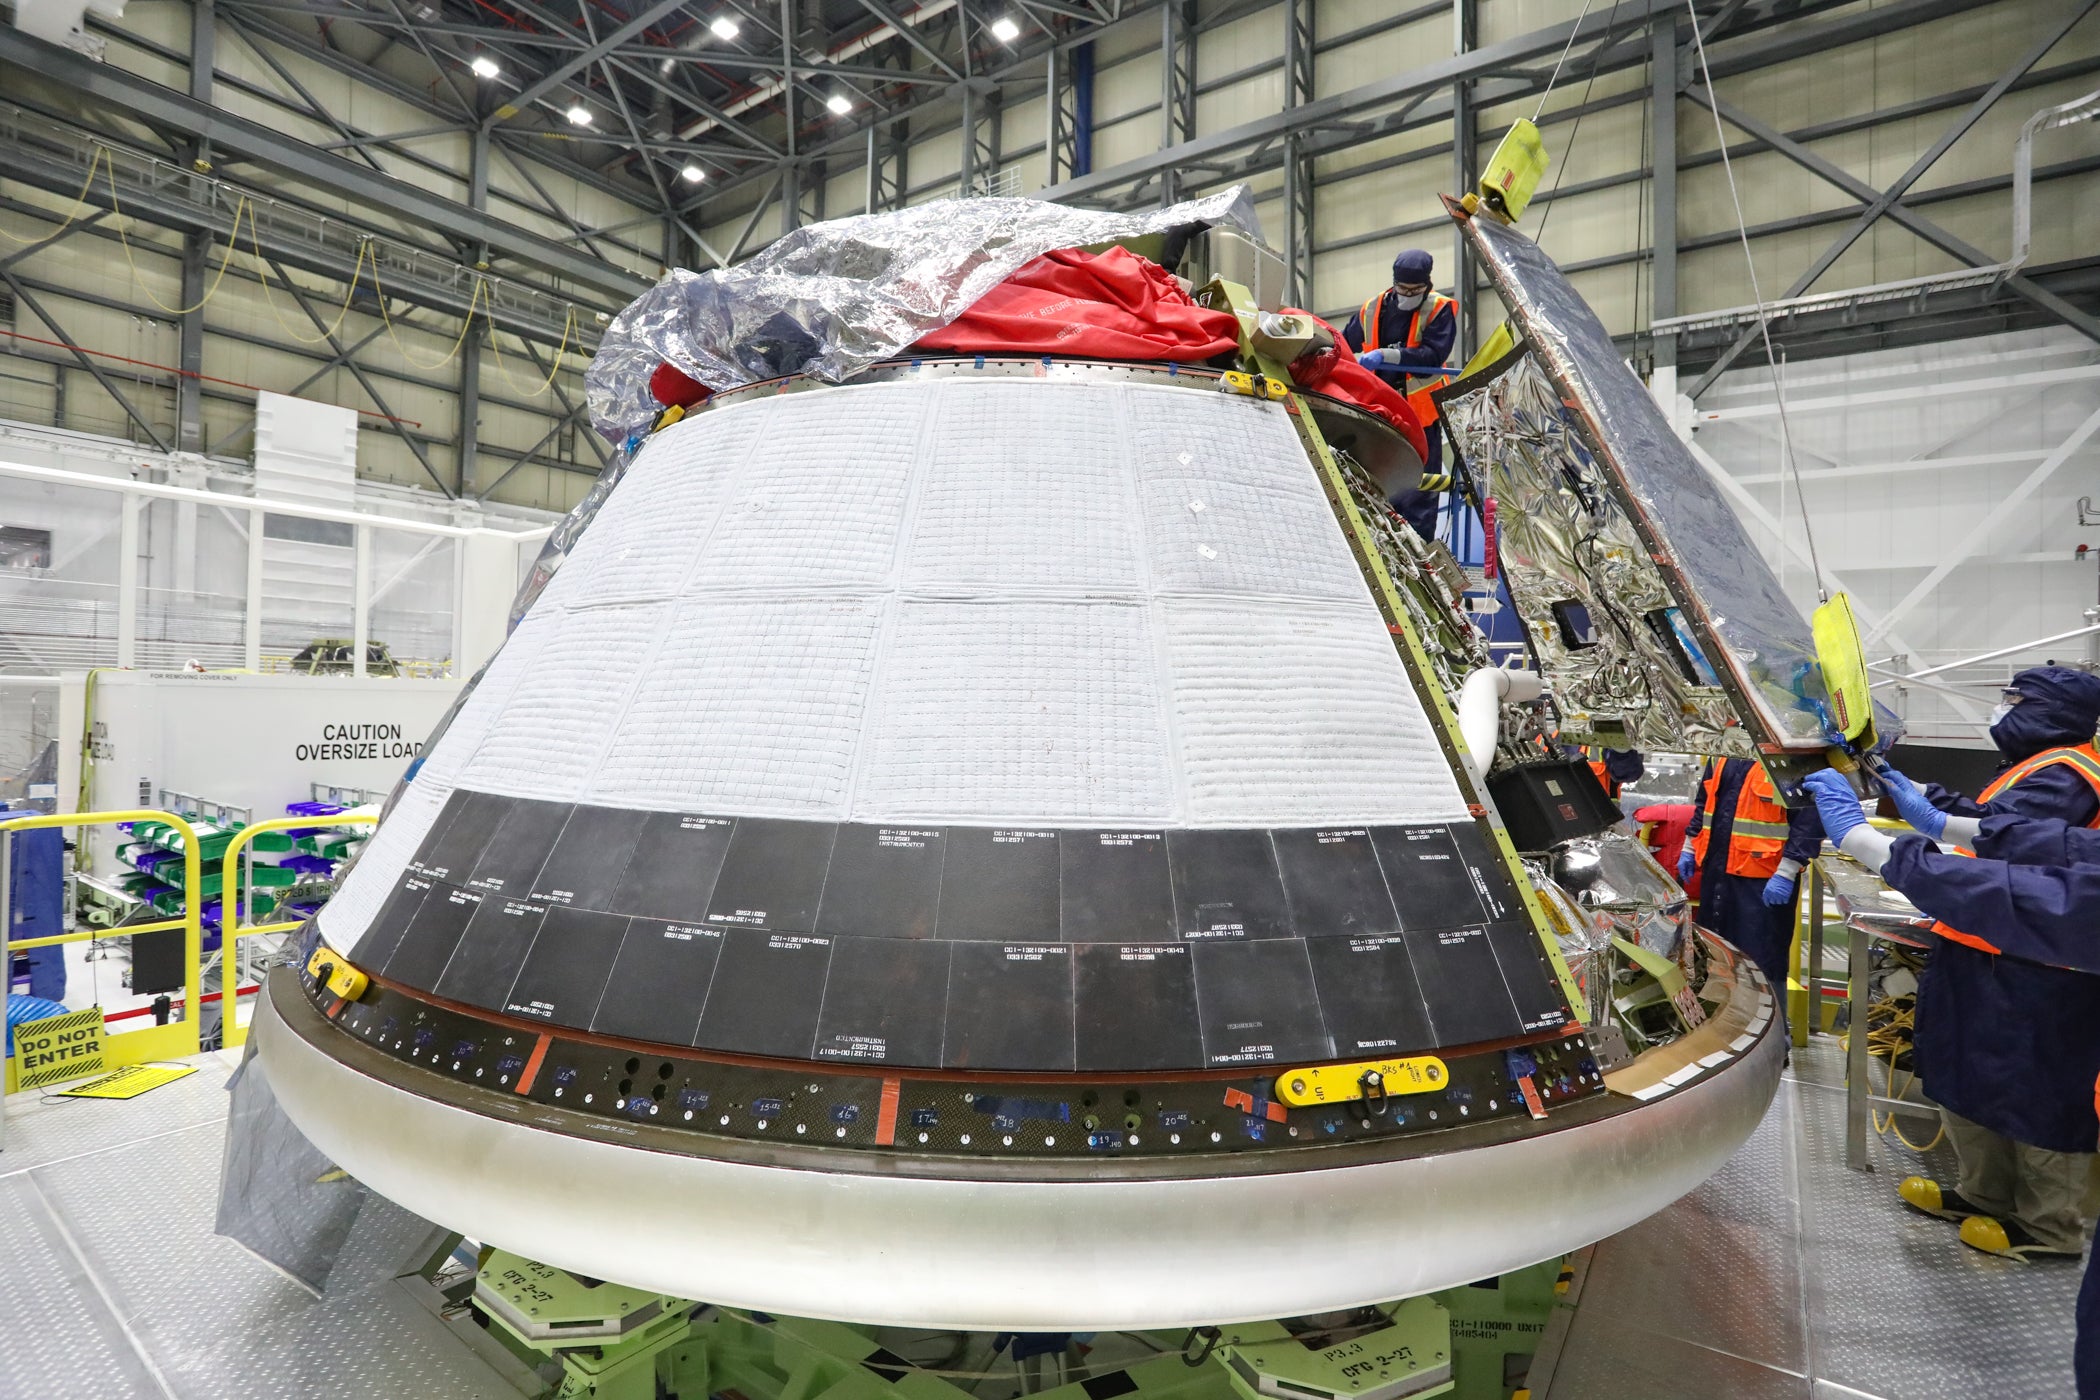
point(976, 601)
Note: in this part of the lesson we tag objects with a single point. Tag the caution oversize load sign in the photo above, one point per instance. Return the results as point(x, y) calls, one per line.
point(58, 1048)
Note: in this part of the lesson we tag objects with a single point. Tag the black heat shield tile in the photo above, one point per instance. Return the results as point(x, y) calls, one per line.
point(767, 992)
point(459, 835)
point(420, 958)
point(394, 917)
point(885, 882)
point(1258, 1003)
point(883, 1002)
point(1009, 1007)
point(1462, 985)
point(1136, 1007)
point(1335, 885)
point(672, 873)
point(519, 848)
point(773, 875)
point(1116, 887)
point(659, 982)
point(1368, 992)
point(585, 868)
point(1226, 885)
point(1429, 879)
point(490, 952)
point(1490, 874)
point(999, 885)
point(1529, 976)
point(568, 966)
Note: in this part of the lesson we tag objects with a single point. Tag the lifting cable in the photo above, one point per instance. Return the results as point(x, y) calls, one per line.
point(1764, 326)
point(1560, 62)
point(1575, 132)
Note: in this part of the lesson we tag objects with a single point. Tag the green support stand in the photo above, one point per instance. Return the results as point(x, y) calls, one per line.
point(617, 1343)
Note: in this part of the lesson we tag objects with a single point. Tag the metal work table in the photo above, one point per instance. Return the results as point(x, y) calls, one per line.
point(1869, 909)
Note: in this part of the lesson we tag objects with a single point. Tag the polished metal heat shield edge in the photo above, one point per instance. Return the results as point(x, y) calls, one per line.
point(1008, 1254)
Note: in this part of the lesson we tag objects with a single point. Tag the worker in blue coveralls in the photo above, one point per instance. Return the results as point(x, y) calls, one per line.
point(2034, 883)
point(1406, 329)
point(1748, 848)
point(2009, 1049)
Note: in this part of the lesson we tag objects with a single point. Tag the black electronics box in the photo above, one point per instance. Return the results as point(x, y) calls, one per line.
point(156, 962)
point(1544, 804)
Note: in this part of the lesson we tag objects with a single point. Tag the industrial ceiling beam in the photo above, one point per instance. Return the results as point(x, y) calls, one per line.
point(165, 109)
point(670, 90)
point(1429, 78)
point(556, 76)
point(1883, 200)
point(347, 359)
point(87, 362)
point(2088, 326)
point(912, 37)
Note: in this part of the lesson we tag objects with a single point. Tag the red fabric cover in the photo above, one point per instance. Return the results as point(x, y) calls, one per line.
point(674, 388)
point(1113, 306)
point(1666, 823)
point(1336, 374)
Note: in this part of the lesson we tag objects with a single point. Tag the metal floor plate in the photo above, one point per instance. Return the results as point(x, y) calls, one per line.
point(115, 1286)
point(1789, 1276)
point(1785, 1277)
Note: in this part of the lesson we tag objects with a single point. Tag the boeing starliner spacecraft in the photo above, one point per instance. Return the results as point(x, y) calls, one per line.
point(1016, 841)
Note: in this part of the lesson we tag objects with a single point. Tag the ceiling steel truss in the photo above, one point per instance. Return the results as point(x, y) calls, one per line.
point(701, 116)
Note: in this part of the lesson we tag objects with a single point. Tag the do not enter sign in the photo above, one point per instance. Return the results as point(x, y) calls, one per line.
point(58, 1048)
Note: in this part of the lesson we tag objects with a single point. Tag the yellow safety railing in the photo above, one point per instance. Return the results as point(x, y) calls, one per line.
point(233, 898)
point(177, 1038)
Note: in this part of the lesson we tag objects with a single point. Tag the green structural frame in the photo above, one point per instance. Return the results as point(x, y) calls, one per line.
point(1386, 591)
point(612, 1342)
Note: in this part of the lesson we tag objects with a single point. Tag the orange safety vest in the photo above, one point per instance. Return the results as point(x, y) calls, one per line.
point(1760, 829)
point(1433, 304)
point(1605, 779)
point(2084, 759)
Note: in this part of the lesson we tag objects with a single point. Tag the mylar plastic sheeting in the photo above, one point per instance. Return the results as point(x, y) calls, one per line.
point(1763, 643)
point(832, 299)
point(1600, 615)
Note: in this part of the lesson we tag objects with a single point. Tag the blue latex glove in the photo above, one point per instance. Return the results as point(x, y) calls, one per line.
point(1779, 890)
point(1372, 359)
point(1835, 803)
point(1686, 864)
point(1928, 820)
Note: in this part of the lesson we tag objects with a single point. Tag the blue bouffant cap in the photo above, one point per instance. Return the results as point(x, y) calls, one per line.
point(1414, 265)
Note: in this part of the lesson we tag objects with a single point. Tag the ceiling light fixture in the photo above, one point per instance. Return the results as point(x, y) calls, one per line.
point(692, 174)
point(579, 115)
point(724, 27)
point(839, 103)
point(1005, 30)
point(484, 66)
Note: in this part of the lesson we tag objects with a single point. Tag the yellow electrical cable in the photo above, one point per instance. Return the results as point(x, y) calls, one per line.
point(1884, 1042)
point(568, 329)
point(464, 326)
point(79, 202)
point(239, 211)
point(262, 272)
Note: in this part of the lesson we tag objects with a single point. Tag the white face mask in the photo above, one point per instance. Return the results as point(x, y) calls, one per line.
point(1407, 301)
point(1999, 711)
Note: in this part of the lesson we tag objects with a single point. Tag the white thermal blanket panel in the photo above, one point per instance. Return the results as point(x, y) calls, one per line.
point(378, 866)
point(1001, 711)
point(976, 601)
point(754, 707)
